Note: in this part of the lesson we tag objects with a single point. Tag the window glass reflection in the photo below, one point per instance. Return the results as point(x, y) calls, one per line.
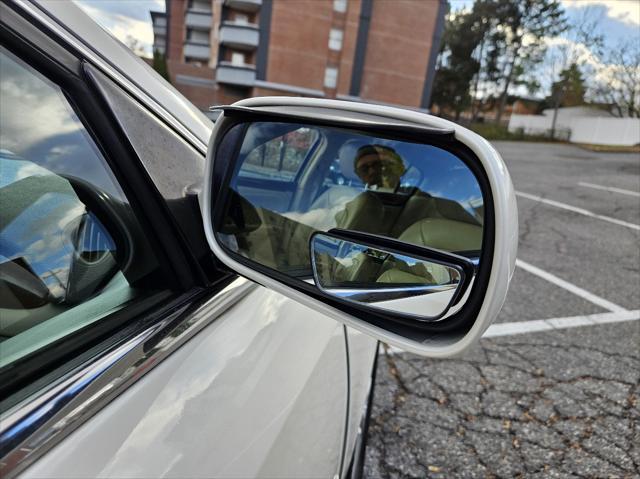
point(61, 267)
point(418, 193)
point(39, 126)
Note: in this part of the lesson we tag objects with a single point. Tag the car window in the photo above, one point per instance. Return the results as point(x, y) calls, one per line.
point(66, 235)
point(279, 158)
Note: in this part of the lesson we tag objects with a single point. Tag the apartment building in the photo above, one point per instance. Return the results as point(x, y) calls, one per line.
point(380, 51)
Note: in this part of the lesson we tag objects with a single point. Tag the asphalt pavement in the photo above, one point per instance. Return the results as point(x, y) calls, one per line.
point(563, 401)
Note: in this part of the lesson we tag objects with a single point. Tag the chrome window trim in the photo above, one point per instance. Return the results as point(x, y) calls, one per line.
point(112, 72)
point(43, 420)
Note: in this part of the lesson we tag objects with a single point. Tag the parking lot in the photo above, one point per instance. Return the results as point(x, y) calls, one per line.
point(536, 398)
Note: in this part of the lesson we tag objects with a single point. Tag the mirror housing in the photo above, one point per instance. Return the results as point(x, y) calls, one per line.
point(472, 308)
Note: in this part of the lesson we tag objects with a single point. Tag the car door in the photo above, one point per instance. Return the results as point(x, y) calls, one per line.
point(157, 364)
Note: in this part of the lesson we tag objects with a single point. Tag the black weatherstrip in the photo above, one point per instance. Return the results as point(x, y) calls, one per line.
point(361, 47)
point(356, 467)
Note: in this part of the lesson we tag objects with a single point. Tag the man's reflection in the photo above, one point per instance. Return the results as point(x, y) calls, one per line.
point(379, 166)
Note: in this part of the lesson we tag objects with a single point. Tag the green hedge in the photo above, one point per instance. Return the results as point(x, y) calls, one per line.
point(491, 131)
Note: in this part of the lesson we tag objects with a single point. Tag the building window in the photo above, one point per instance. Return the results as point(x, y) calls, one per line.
point(198, 36)
point(340, 5)
point(201, 5)
point(330, 77)
point(241, 19)
point(335, 39)
point(237, 59)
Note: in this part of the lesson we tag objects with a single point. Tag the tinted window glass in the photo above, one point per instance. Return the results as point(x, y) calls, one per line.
point(65, 227)
point(278, 158)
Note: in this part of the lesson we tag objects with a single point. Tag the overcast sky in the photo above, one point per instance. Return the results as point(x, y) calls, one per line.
point(125, 18)
point(619, 19)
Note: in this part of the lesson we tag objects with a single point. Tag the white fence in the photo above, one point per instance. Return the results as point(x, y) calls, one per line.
point(606, 131)
point(529, 124)
point(598, 130)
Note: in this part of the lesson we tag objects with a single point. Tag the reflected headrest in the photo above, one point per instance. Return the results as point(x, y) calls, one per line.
point(347, 156)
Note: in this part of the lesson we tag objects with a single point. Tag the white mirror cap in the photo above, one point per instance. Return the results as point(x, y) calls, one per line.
point(505, 237)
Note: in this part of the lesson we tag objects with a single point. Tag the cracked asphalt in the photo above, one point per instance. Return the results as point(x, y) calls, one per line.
point(562, 403)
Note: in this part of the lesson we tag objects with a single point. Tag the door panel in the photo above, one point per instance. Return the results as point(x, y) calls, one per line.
point(260, 392)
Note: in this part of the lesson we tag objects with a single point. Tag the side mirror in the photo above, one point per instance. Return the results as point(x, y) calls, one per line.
point(394, 222)
point(388, 274)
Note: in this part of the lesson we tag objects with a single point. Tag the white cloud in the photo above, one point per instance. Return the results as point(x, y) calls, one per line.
point(123, 26)
point(577, 51)
point(627, 11)
point(48, 111)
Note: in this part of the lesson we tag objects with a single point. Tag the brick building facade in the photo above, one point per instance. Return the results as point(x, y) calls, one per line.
point(380, 51)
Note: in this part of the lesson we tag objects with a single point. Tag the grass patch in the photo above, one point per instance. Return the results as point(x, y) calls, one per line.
point(609, 148)
point(492, 131)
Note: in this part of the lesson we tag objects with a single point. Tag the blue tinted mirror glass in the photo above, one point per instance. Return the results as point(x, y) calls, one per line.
point(291, 180)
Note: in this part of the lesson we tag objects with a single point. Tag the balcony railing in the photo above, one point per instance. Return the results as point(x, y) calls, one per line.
point(239, 36)
point(243, 75)
point(199, 51)
point(244, 5)
point(200, 5)
point(198, 19)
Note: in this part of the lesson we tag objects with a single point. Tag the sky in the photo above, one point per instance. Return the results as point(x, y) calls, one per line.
point(619, 19)
point(125, 18)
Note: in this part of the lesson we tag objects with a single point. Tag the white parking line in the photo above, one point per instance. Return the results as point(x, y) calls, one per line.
point(584, 294)
point(538, 325)
point(610, 188)
point(553, 324)
point(575, 209)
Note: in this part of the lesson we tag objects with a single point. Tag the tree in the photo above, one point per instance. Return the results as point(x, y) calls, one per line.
point(567, 56)
point(617, 79)
point(569, 90)
point(492, 49)
point(456, 67)
point(511, 46)
point(160, 64)
point(487, 54)
point(523, 27)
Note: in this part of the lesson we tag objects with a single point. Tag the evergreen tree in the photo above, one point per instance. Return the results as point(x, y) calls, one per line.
point(570, 88)
point(457, 67)
point(525, 24)
point(160, 64)
point(492, 48)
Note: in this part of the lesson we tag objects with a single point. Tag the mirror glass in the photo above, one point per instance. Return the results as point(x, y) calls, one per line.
point(383, 279)
point(291, 180)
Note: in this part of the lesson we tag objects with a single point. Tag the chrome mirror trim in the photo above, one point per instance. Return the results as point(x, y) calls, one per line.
point(372, 295)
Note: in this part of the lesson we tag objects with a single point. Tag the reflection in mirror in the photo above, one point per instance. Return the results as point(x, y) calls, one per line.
point(383, 279)
point(291, 180)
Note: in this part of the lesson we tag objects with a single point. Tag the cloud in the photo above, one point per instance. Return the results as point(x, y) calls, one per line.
point(125, 20)
point(626, 11)
point(25, 91)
